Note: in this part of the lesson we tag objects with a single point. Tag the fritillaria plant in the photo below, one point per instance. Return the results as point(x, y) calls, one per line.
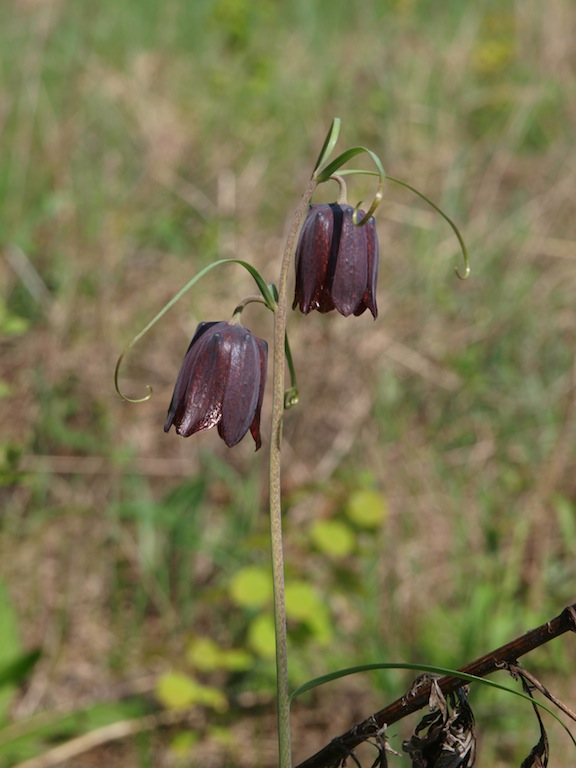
point(222, 378)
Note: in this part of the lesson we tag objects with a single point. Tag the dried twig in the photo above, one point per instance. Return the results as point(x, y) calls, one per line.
point(331, 755)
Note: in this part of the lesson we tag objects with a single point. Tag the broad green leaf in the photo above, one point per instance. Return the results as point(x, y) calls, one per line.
point(204, 654)
point(251, 587)
point(261, 636)
point(176, 690)
point(302, 601)
point(367, 508)
point(333, 537)
point(236, 660)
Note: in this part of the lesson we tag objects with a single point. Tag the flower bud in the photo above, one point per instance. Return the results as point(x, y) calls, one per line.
point(221, 382)
point(336, 262)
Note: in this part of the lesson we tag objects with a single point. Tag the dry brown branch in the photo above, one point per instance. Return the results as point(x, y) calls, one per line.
point(331, 755)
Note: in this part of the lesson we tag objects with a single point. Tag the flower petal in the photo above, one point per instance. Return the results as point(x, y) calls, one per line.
point(197, 400)
point(183, 379)
point(221, 382)
point(373, 253)
point(255, 426)
point(242, 386)
point(312, 259)
point(336, 262)
point(350, 279)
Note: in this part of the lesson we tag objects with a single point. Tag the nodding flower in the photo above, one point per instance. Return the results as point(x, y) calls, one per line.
point(336, 262)
point(221, 382)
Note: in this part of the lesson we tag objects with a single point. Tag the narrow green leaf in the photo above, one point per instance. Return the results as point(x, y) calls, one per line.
point(10, 650)
point(333, 537)
point(263, 287)
point(325, 173)
point(17, 671)
point(318, 681)
point(455, 229)
point(329, 143)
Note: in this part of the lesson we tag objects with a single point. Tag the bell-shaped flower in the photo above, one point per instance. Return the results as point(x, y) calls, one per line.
point(336, 262)
point(221, 382)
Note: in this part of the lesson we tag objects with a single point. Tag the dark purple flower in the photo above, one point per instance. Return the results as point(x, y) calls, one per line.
point(221, 382)
point(336, 262)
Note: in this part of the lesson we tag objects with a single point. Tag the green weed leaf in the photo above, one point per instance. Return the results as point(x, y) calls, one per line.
point(333, 538)
point(251, 587)
point(262, 637)
point(206, 655)
point(302, 601)
point(176, 690)
point(366, 508)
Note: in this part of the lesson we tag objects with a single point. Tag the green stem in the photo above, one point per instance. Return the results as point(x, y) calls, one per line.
point(283, 692)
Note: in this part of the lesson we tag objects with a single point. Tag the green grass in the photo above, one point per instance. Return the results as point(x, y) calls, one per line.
point(141, 141)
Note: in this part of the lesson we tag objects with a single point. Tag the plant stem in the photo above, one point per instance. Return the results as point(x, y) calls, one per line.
point(282, 691)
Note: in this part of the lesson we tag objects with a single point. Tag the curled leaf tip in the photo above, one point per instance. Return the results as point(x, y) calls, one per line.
point(463, 275)
point(117, 385)
point(355, 214)
point(291, 398)
point(137, 399)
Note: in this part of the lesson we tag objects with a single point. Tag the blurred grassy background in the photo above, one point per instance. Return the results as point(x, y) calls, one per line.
point(142, 140)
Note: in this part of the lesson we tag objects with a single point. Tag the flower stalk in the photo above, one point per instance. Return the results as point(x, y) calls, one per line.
point(222, 378)
point(282, 689)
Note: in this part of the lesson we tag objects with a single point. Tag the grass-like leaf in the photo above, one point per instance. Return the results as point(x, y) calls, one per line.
point(318, 681)
point(325, 173)
point(263, 287)
point(329, 143)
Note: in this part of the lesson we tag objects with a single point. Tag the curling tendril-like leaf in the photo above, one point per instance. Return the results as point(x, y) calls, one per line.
point(466, 273)
point(267, 295)
point(325, 173)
